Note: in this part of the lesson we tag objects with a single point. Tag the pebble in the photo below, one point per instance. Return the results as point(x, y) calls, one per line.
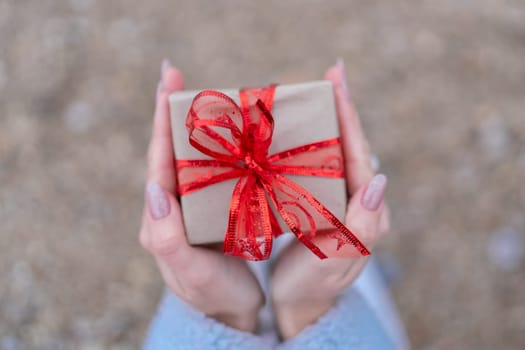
point(506, 249)
point(81, 5)
point(91, 345)
point(521, 161)
point(124, 35)
point(112, 327)
point(5, 11)
point(9, 342)
point(428, 44)
point(3, 75)
point(78, 116)
point(494, 138)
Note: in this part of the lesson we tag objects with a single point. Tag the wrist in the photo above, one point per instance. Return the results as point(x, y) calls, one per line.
point(291, 319)
point(239, 311)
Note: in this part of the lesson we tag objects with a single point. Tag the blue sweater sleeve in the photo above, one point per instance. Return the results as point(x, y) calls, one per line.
point(351, 324)
point(178, 326)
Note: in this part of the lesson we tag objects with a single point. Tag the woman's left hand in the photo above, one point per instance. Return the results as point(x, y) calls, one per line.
point(303, 287)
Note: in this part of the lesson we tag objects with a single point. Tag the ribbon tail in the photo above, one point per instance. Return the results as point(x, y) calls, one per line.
point(307, 218)
point(276, 228)
point(249, 232)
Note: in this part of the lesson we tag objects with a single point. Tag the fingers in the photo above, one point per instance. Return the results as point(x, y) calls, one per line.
point(164, 225)
point(365, 211)
point(363, 218)
point(164, 236)
point(161, 168)
point(196, 274)
point(203, 277)
point(358, 167)
point(355, 145)
point(162, 231)
point(172, 78)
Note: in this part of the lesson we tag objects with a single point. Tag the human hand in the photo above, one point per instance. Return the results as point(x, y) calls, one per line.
point(220, 286)
point(303, 287)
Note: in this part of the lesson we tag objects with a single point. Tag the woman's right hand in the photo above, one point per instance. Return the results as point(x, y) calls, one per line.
point(220, 286)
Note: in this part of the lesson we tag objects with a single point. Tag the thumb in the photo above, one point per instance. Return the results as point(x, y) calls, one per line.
point(363, 218)
point(365, 210)
point(165, 235)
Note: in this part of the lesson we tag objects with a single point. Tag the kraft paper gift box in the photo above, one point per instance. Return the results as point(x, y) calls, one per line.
point(303, 113)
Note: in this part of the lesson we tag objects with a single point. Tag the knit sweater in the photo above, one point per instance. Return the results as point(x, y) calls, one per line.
point(363, 318)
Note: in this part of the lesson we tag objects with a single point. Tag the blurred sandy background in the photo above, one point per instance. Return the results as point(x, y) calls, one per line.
point(440, 86)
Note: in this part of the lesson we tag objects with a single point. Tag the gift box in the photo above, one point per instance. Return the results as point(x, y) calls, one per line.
point(302, 114)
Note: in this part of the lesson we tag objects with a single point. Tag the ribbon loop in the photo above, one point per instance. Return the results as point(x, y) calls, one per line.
point(256, 105)
point(238, 138)
point(215, 125)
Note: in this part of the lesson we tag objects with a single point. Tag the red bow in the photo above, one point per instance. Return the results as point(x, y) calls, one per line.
point(238, 138)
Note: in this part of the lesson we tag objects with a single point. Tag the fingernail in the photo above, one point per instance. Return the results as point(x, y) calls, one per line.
point(344, 85)
point(158, 202)
point(160, 86)
point(164, 67)
point(375, 193)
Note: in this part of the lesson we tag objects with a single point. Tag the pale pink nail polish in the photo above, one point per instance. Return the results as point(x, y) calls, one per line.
point(375, 193)
point(164, 67)
point(344, 85)
point(158, 202)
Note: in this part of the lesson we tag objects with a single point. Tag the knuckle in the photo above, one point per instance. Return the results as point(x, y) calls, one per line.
point(366, 230)
point(164, 243)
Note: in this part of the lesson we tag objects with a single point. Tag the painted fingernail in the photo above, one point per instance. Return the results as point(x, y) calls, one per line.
point(344, 85)
point(164, 67)
point(158, 202)
point(375, 193)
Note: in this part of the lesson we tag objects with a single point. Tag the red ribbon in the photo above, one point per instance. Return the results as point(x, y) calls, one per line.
point(238, 139)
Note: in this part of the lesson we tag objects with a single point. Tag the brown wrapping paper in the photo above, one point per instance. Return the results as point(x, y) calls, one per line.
point(303, 113)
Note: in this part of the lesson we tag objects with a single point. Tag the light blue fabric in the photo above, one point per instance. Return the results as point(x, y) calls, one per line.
point(178, 326)
point(350, 324)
